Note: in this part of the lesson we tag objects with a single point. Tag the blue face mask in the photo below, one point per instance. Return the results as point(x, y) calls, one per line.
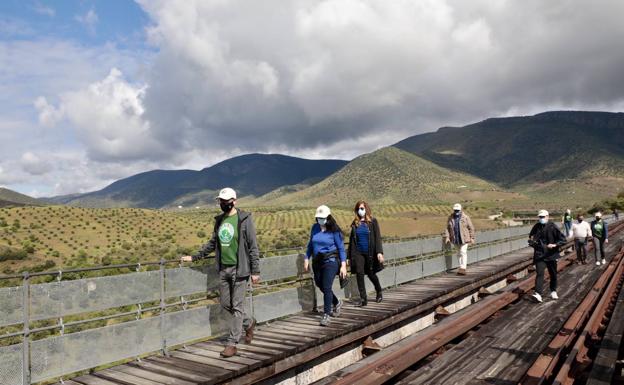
point(321, 221)
point(361, 212)
point(543, 221)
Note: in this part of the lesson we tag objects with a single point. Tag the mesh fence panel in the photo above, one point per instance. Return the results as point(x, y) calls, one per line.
point(58, 299)
point(11, 368)
point(55, 356)
point(187, 325)
point(190, 280)
point(285, 266)
point(11, 306)
point(430, 245)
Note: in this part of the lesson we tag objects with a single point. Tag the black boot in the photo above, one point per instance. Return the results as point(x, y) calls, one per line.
point(363, 302)
point(379, 297)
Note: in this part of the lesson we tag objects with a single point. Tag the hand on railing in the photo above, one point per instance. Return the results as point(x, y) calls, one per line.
point(186, 258)
point(255, 279)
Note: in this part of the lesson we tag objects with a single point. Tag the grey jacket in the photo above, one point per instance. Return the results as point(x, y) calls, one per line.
point(248, 253)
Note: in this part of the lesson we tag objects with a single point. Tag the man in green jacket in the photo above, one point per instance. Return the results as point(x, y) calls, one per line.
point(237, 258)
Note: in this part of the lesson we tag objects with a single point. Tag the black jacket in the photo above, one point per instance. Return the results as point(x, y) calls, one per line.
point(375, 247)
point(543, 235)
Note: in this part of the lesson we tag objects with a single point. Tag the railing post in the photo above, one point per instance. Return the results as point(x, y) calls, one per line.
point(162, 308)
point(26, 330)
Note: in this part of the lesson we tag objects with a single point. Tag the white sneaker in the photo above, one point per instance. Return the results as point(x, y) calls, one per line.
point(604, 261)
point(537, 297)
point(553, 295)
point(597, 263)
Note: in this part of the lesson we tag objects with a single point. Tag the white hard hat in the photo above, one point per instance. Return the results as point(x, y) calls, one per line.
point(598, 214)
point(542, 213)
point(456, 206)
point(322, 212)
point(226, 194)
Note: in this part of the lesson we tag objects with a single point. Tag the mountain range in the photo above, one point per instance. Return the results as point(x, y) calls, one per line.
point(495, 156)
point(13, 198)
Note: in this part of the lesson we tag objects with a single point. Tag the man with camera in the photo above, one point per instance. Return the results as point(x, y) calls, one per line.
point(546, 240)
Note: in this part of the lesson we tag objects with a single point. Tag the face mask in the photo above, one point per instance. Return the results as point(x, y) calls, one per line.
point(543, 221)
point(321, 221)
point(456, 212)
point(580, 220)
point(362, 212)
point(226, 207)
point(597, 218)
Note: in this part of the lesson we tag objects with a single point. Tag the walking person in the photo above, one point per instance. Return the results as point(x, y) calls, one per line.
point(581, 232)
point(546, 240)
point(326, 248)
point(600, 232)
point(365, 250)
point(616, 215)
point(237, 258)
point(460, 232)
point(567, 222)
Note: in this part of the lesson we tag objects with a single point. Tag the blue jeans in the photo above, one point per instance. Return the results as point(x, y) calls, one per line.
point(568, 227)
point(324, 273)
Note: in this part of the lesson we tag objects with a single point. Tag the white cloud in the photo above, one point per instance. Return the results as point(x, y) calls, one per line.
point(34, 165)
point(43, 9)
point(89, 20)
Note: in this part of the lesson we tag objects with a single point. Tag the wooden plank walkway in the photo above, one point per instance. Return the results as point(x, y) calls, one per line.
point(280, 345)
point(501, 351)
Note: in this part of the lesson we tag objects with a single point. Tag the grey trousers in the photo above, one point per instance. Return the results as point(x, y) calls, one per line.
point(599, 248)
point(232, 291)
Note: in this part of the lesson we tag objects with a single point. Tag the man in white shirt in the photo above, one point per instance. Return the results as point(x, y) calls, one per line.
point(581, 232)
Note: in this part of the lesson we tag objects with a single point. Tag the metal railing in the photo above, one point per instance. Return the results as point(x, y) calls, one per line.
point(170, 308)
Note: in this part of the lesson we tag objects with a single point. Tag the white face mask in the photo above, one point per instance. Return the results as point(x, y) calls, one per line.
point(321, 221)
point(543, 221)
point(361, 212)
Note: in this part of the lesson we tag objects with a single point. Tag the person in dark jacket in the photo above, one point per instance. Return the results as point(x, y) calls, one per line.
point(237, 258)
point(365, 252)
point(600, 232)
point(546, 240)
point(326, 248)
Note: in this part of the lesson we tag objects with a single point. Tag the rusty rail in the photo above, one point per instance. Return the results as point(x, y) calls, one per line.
point(399, 357)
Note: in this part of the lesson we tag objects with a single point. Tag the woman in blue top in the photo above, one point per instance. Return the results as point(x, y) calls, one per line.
point(365, 250)
point(326, 247)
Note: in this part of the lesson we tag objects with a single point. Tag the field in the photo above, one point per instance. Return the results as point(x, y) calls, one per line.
point(53, 237)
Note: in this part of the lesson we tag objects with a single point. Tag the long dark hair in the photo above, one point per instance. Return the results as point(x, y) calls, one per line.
point(331, 225)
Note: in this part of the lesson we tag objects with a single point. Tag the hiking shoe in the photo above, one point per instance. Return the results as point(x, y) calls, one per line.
point(229, 351)
point(597, 263)
point(362, 303)
point(537, 297)
point(249, 332)
point(603, 261)
point(324, 320)
point(379, 297)
point(553, 295)
point(337, 307)
point(461, 272)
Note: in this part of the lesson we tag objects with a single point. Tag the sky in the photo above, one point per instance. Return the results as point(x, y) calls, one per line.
point(94, 91)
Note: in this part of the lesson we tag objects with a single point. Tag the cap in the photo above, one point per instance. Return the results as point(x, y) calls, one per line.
point(568, 211)
point(456, 206)
point(542, 213)
point(598, 214)
point(226, 194)
point(322, 212)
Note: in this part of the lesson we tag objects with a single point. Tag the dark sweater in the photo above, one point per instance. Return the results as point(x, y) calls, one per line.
point(543, 235)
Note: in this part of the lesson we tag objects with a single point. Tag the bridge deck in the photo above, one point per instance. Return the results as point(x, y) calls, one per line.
point(283, 344)
point(501, 351)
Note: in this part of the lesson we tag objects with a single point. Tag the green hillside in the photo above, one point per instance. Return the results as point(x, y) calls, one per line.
point(387, 176)
point(530, 149)
point(13, 198)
